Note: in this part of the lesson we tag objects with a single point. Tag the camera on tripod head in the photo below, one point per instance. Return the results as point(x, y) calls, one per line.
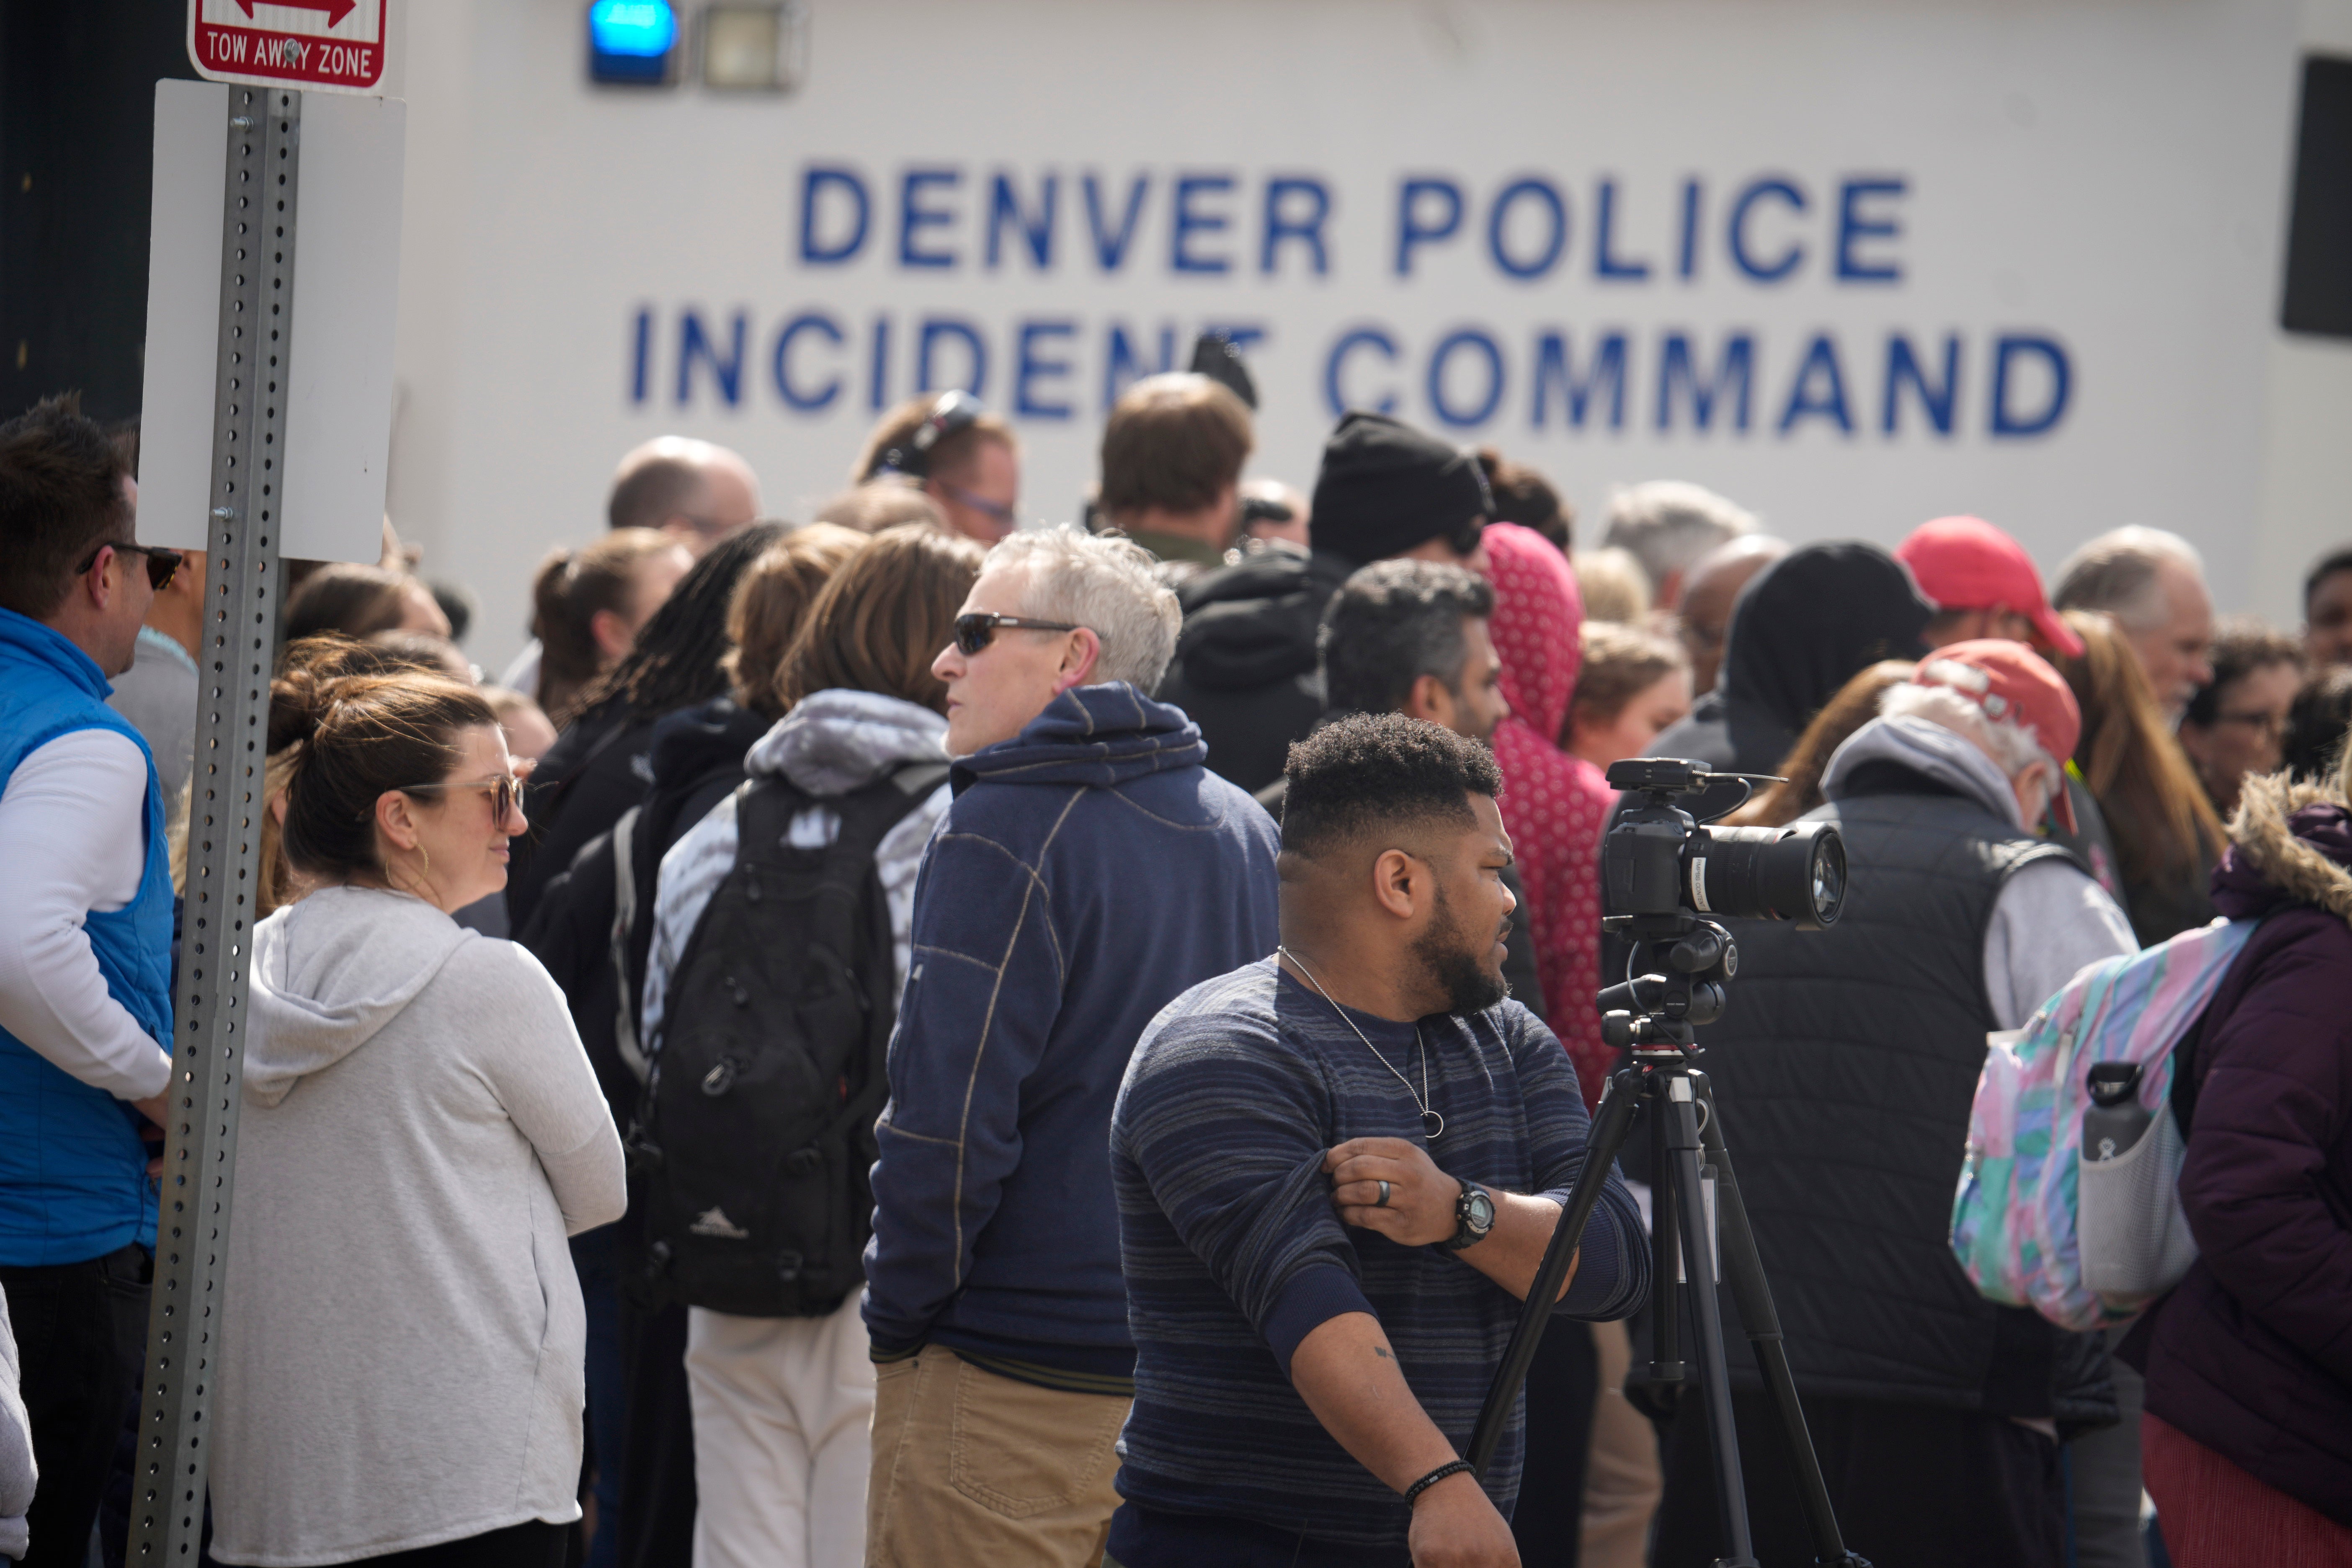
point(1666, 872)
point(1662, 868)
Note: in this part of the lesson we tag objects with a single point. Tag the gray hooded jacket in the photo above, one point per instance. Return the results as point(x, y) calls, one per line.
point(403, 1339)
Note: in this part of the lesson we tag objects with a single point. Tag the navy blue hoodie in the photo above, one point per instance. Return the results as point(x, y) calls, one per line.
point(1089, 872)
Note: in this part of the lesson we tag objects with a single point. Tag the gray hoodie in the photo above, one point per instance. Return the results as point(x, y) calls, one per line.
point(2050, 920)
point(401, 1334)
point(18, 1473)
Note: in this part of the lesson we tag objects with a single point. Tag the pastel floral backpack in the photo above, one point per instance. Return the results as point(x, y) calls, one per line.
point(2086, 1242)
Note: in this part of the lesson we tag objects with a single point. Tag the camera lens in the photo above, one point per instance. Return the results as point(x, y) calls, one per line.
point(1792, 873)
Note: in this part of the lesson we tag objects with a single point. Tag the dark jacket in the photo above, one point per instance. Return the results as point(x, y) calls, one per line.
point(1808, 623)
point(1245, 670)
point(696, 757)
point(593, 773)
point(1845, 1069)
point(2251, 1355)
point(1089, 871)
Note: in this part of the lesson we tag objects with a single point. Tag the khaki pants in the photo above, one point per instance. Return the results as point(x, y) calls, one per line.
point(1622, 1481)
point(973, 1470)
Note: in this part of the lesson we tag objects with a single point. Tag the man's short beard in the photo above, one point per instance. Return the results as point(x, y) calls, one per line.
point(1449, 956)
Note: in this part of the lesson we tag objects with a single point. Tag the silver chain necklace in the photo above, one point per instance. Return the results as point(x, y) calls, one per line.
point(1428, 1117)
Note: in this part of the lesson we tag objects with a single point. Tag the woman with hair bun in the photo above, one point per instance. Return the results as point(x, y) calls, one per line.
point(401, 1338)
point(589, 604)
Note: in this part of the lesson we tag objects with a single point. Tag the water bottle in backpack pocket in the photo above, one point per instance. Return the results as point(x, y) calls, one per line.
point(2134, 1237)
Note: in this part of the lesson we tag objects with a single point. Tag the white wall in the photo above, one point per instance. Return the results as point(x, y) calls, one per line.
point(2108, 177)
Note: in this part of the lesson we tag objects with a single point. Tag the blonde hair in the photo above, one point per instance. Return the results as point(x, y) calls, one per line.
point(1612, 585)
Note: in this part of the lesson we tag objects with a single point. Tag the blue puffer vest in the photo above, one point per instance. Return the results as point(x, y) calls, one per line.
point(73, 1175)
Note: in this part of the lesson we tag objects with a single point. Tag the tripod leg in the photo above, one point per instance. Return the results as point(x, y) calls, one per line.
point(1600, 1148)
point(1667, 1365)
point(1743, 1269)
point(1715, 1383)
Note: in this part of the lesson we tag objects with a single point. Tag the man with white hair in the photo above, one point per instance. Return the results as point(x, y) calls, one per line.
point(1668, 524)
point(1845, 1069)
point(1088, 872)
point(2153, 583)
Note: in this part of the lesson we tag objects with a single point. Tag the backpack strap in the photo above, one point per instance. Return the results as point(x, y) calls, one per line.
point(625, 915)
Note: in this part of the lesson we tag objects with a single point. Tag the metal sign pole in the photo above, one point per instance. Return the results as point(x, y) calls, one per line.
point(227, 808)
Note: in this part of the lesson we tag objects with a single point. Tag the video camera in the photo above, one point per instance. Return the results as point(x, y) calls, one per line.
point(1662, 868)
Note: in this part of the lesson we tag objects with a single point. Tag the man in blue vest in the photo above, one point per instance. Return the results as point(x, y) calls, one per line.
point(84, 956)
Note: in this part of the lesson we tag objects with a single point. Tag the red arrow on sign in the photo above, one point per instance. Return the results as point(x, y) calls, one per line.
point(336, 10)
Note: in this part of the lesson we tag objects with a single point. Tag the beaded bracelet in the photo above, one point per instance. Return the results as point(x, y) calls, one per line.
point(1451, 1468)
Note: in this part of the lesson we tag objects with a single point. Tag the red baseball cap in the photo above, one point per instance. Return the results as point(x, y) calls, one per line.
point(1967, 563)
point(2010, 682)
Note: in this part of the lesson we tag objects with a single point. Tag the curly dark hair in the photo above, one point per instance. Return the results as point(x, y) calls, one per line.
point(1374, 771)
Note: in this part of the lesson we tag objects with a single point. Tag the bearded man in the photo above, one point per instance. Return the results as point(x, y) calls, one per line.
point(1337, 1171)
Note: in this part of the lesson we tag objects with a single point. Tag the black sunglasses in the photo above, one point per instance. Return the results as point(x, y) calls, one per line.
point(1463, 537)
point(505, 790)
point(163, 564)
point(976, 631)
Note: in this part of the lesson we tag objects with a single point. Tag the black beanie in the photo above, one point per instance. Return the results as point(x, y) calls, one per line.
point(1385, 487)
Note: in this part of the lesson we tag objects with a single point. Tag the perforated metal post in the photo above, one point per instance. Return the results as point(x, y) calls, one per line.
point(228, 804)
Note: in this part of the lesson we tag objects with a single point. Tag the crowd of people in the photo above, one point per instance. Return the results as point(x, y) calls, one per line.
point(908, 1039)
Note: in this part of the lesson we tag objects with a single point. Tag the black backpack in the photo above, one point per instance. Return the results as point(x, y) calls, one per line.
point(756, 1136)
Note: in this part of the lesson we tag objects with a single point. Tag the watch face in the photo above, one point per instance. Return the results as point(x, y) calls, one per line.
point(1481, 1214)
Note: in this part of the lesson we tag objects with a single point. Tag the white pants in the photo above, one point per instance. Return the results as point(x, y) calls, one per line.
point(784, 1412)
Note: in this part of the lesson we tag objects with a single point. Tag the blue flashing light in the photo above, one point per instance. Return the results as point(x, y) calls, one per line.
point(631, 41)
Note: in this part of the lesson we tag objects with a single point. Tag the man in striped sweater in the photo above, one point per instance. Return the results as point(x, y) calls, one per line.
point(1337, 1170)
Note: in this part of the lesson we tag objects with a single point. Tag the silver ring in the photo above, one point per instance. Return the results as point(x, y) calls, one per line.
point(1385, 1197)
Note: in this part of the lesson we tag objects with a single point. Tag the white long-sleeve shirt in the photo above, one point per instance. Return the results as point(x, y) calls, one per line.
point(73, 839)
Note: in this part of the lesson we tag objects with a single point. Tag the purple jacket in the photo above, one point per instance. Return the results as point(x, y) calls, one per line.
point(2251, 1355)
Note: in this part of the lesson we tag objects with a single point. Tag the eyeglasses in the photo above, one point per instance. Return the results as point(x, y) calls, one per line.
point(504, 791)
point(1463, 539)
point(1004, 511)
point(163, 564)
point(974, 632)
point(2269, 726)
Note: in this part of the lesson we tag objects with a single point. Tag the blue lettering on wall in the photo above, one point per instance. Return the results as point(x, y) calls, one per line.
point(1733, 373)
point(1335, 396)
point(1110, 250)
point(641, 353)
point(1555, 366)
point(1282, 197)
point(1826, 400)
point(795, 399)
point(1121, 367)
point(1551, 216)
point(935, 330)
point(878, 397)
point(1004, 207)
point(1937, 399)
point(1774, 188)
point(1188, 220)
point(1853, 225)
point(846, 186)
point(1606, 264)
point(1029, 366)
point(1414, 227)
point(726, 369)
point(915, 215)
point(2010, 349)
point(1482, 407)
point(1687, 253)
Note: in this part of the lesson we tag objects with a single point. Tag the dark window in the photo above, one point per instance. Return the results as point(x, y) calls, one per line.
point(2319, 236)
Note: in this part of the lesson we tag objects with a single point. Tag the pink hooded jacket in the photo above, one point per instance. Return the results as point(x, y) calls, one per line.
point(1555, 804)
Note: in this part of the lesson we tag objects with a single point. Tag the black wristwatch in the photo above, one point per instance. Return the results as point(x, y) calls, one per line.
point(1473, 1216)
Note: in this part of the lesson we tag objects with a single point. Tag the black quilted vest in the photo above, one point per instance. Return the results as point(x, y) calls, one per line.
point(1844, 1070)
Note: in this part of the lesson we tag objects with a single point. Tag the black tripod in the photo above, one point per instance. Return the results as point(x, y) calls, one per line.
point(1654, 1015)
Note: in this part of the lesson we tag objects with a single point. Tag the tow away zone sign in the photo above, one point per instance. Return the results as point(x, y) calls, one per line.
point(333, 46)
